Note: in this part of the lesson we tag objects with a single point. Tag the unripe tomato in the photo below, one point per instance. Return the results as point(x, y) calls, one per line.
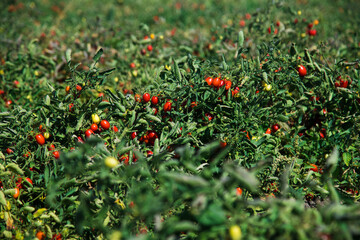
point(94, 127)
point(95, 118)
point(111, 162)
point(146, 97)
point(268, 87)
point(46, 135)
point(17, 192)
point(216, 82)
point(235, 232)
point(209, 81)
point(167, 106)
point(40, 139)
point(105, 124)
point(302, 71)
point(154, 100)
point(88, 133)
point(56, 154)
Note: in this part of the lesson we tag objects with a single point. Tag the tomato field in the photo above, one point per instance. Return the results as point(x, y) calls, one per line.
point(179, 119)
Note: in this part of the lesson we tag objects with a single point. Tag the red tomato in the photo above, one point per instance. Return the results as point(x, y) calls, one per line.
point(228, 84)
point(312, 32)
point(8, 103)
point(137, 98)
point(146, 97)
point(209, 81)
point(151, 136)
point(268, 131)
point(105, 124)
point(132, 65)
point(94, 127)
point(310, 25)
point(323, 133)
point(67, 89)
point(344, 83)
point(149, 153)
point(314, 168)
point(29, 180)
point(209, 116)
point(78, 87)
point(115, 129)
point(155, 111)
point(88, 133)
point(302, 71)
point(154, 100)
point(40, 235)
point(143, 51)
point(149, 48)
point(51, 147)
point(275, 127)
point(223, 144)
point(56, 154)
point(133, 135)
point(17, 193)
point(222, 83)
point(238, 191)
point(9, 151)
point(269, 30)
point(70, 106)
point(216, 82)
point(167, 106)
point(40, 139)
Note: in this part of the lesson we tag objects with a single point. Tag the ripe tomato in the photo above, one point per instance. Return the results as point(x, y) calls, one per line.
point(275, 127)
point(209, 116)
point(312, 32)
point(268, 131)
point(88, 133)
point(95, 118)
point(94, 127)
point(115, 129)
point(8, 103)
point(70, 106)
point(40, 139)
point(56, 154)
point(40, 235)
point(29, 180)
point(149, 48)
point(154, 100)
point(133, 135)
point(17, 192)
point(105, 124)
point(227, 84)
point(78, 87)
point(143, 51)
point(302, 71)
point(216, 82)
point(149, 153)
point(132, 65)
point(314, 168)
point(323, 133)
point(209, 81)
point(9, 151)
point(238, 191)
point(151, 136)
point(146, 97)
point(167, 106)
point(67, 89)
point(51, 147)
point(223, 144)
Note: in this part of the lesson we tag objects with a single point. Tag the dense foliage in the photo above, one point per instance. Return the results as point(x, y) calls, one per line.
point(171, 120)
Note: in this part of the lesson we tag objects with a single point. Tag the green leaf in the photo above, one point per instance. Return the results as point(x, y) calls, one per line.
point(68, 55)
point(213, 215)
point(98, 55)
point(80, 122)
point(346, 158)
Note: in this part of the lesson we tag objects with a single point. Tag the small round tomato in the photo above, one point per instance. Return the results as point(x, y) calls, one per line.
point(151, 136)
point(146, 97)
point(302, 71)
point(40, 139)
point(88, 133)
point(46, 135)
point(216, 82)
point(51, 147)
point(133, 135)
point(154, 100)
point(9, 151)
point(228, 84)
point(167, 106)
point(80, 140)
point(71, 105)
point(239, 191)
point(95, 118)
point(17, 192)
point(132, 65)
point(137, 98)
point(235, 232)
point(268, 131)
point(275, 127)
point(223, 144)
point(312, 32)
point(149, 153)
point(115, 129)
point(268, 87)
point(78, 87)
point(94, 127)
point(209, 116)
point(111, 162)
point(56, 154)
point(29, 180)
point(149, 48)
point(67, 89)
point(209, 81)
point(40, 235)
point(105, 124)
point(8, 103)
point(314, 168)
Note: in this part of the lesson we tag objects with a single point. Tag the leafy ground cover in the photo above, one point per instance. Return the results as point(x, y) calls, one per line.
point(179, 120)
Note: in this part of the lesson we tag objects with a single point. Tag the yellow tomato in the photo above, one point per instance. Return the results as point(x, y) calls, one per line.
point(268, 87)
point(95, 118)
point(111, 162)
point(46, 135)
point(235, 232)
